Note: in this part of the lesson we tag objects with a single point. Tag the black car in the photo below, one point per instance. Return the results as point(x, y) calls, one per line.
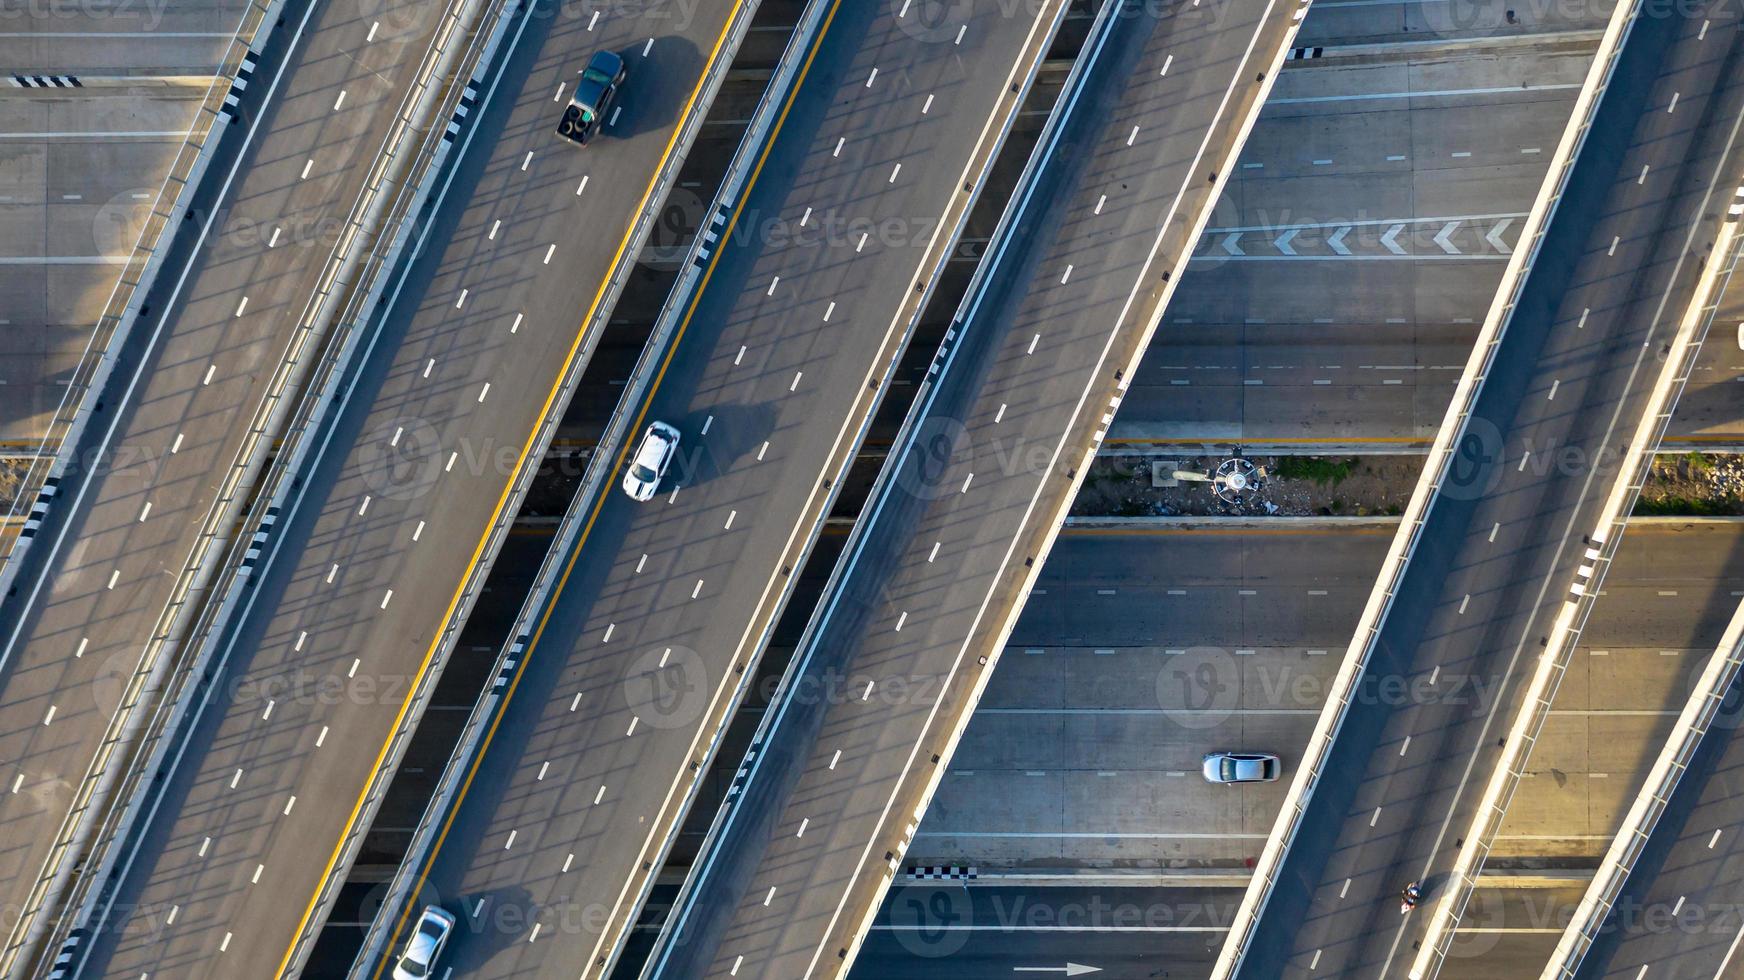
point(593, 97)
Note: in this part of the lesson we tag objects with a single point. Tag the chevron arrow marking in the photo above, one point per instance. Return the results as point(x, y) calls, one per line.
point(1495, 235)
point(1442, 236)
point(1389, 240)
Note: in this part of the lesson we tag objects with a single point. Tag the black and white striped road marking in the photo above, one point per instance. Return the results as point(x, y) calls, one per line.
point(257, 543)
point(744, 774)
point(468, 99)
point(67, 959)
point(46, 81)
point(1584, 574)
point(509, 662)
point(39, 509)
point(711, 235)
point(244, 72)
point(940, 872)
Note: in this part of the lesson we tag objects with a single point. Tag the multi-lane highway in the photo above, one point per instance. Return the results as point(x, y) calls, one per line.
point(1075, 279)
point(1332, 302)
point(775, 365)
point(78, 185)
point(91, 589)
point(1502, 542)
point(1083, 751)
point(1075, 754)
point(327, 667)
point(1335, 295)
point(1394, 150)
point(1140, 649)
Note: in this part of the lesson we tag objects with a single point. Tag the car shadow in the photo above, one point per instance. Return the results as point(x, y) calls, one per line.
point(658, 86)
point(487, 922)
point(735, 433)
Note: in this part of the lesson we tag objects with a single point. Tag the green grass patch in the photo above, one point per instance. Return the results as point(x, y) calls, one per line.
point(1699, 464)
point(1316, 469)
point(1672, 506)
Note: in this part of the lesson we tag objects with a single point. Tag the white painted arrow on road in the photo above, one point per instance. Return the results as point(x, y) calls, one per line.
point(1283, 241)
point(1442, 236)
point(1070, 969)
point(1495, 235)
point(1229, 243)
point(1387, 240)
point(1336, 242)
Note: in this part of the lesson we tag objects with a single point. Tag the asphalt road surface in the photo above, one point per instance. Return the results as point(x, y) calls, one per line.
point(563, 819)
point(997, 930)
point(1082, 753)
point(92, 588)
point(937, 576)
point(351, 615)
point(1503, 540)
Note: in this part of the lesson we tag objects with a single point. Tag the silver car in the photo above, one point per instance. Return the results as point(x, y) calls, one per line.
point(659, 444)
point(434, 926)
point(1241, 767)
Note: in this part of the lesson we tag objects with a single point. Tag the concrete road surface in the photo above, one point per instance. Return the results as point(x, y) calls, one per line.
point(92, 588)
point(1332, 303)
point(350, 619)
point(82, 169)
point(1083, 752)
point(938, 567)
point(1679, 913)
point(1077, 754)
point(1503, 540)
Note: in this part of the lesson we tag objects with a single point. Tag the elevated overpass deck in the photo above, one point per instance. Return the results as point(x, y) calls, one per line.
point(1497, 545)
point(967, 509)
point(201, 363)
point(325, 668)
point(811, 279)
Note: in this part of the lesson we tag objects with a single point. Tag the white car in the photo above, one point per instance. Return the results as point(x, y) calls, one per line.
point(659, 444)
point(1241, 767)
point(425, 945)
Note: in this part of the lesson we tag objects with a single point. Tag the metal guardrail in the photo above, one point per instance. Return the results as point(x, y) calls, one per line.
point(121, 310)
point(1079, 472)
point(727, 813)
point(234, 556)
point(922, 288)
point(98, 361)
point(600, 466)
point(689, 893)
point(1452, 433)
point(1606, 538)
point(545, 431)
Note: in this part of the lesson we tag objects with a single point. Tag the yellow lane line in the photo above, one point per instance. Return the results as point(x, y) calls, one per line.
point(599, 503)
point(502, 501)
